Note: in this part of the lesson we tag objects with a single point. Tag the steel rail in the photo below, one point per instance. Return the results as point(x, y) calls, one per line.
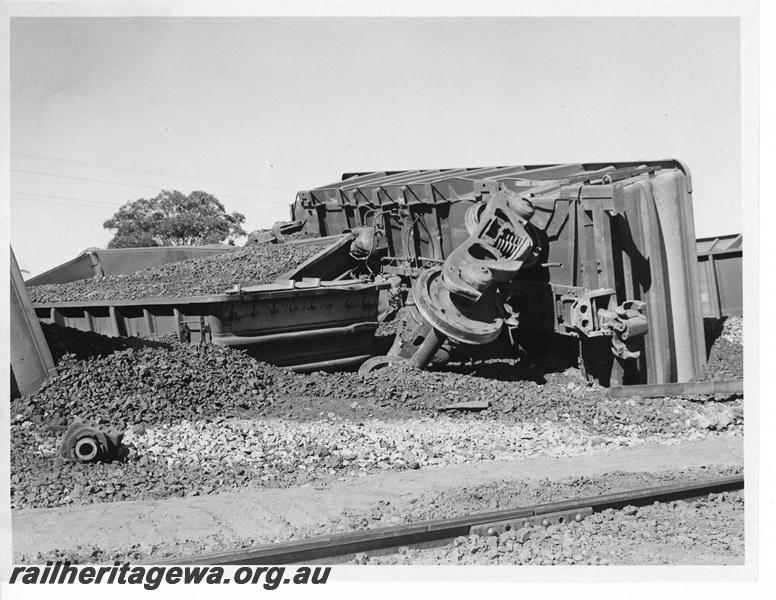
point(330, 546)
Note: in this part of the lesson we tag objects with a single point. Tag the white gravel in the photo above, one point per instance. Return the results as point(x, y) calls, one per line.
point(340, 446)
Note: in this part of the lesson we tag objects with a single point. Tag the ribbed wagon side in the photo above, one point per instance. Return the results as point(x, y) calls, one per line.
point(721, 274)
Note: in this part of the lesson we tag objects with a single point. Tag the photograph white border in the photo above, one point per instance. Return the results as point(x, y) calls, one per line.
point(756, 415)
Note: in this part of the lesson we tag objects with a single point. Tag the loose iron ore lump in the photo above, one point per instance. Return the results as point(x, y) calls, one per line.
point(193, 277)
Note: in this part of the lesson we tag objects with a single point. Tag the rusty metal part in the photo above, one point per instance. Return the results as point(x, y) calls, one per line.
point(347, 544)
point(691, 388)
point(466, 322)
point(591, 315)
point(427, 349)
point(520, 204)
point(377, 362)
point(334, 364)
point(411, 336)
point(424, 347)
point(544, 520)
point(455, 301)
point(85, 444)
point(468, 405)
point(624, 323)
point(495, 251)
point(585, 310)
point(283, 228)
point(368, 241)
point(276, 234)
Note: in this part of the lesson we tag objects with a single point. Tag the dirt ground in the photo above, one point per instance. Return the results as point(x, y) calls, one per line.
point(156, 530)
point(274, 455)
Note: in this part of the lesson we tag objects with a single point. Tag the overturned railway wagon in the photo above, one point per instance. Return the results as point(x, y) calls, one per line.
point(597, 260)
point(608, 235)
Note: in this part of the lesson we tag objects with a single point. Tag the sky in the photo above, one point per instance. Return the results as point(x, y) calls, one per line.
point(108, 110)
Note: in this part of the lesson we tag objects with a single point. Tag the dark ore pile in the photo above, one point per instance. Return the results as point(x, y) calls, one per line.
point(171, 381)
point(726, 362)
point(726, 356)
point(150, 384)
point(204, 276)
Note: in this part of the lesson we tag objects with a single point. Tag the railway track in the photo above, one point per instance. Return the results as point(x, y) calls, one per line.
point(340, 547)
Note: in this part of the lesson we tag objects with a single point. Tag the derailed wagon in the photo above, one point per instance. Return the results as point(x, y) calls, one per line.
point(597, 260)
point(612, 252)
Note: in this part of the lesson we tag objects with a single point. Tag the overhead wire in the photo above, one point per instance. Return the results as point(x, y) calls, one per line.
point(49, 204)
point(134, 185)
point(157, 173)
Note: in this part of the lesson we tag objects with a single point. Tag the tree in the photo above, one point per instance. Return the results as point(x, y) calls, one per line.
point(174, 219)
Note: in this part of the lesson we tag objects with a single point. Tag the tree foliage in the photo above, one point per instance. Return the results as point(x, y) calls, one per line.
point(174, 219)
